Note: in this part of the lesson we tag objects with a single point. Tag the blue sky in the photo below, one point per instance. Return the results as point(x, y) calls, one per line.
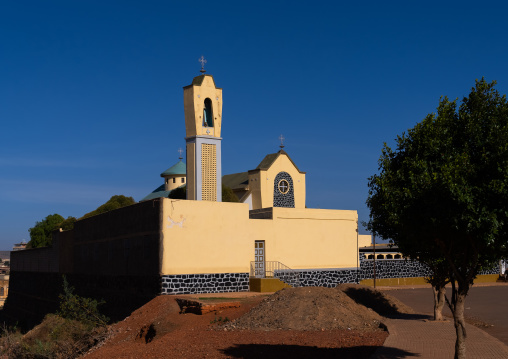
point(91, 101)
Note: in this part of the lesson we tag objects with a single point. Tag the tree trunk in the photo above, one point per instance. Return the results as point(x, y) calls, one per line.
point(460, 325)
point(439, 301)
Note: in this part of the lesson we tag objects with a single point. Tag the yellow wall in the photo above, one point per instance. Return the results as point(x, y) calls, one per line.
point(204, 237)
point(218, 237)
point(389, 282)
point(364, 240)
point(261, 183)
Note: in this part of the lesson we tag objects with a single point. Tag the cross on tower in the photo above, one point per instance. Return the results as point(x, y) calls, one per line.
point(180, 151)
point(281, 138)
point(203, 62)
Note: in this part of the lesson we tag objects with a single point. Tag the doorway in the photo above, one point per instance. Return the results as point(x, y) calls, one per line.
point(259, 259)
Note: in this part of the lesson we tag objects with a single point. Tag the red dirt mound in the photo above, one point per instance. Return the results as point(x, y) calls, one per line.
point(308, 308)
point(157, 330)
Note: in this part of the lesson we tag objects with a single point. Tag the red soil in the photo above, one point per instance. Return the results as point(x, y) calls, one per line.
point(157, 330)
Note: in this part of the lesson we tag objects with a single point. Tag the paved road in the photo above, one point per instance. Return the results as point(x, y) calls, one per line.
point(486, 303)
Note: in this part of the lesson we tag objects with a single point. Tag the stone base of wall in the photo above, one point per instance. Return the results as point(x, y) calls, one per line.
point(493, 270)
point(390, 282)
point(205, 283)
point(392, 268)
point(327, 277)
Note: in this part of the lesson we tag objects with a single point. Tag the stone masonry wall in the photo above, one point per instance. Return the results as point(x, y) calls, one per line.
point(205, 283)
point(392, 268)
point(327, 278)
point(385, 268)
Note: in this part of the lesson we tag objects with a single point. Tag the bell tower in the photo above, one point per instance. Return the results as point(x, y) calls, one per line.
point(202, 102)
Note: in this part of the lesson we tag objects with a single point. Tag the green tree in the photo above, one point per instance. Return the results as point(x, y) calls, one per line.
point(82, 309)
point(41, 233)
point(228, 195)
point(442, 194)
point(114, 202)
point(68, 223)
point(178, 193)
point(181, 193)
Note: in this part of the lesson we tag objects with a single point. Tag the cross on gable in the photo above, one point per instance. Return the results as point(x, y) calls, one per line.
point(281, 138)
point(203, 62)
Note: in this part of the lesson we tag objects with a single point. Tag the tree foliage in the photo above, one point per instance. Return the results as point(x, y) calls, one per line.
point(41, 233)
point(178, 193)
point(181, 193)
point(114, 202)
point(68, 223)
point(443, 192)
point(228, 195)
point(84, 310)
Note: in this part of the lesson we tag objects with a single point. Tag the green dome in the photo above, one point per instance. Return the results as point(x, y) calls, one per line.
point(179, 169)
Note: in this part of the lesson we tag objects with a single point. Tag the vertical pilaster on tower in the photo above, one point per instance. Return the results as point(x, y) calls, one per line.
point(203, 120)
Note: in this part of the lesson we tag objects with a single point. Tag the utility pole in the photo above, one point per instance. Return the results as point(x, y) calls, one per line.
point(357, 255)
point(374, 242)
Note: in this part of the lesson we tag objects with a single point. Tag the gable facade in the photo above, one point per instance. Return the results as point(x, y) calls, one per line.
point(277, 182)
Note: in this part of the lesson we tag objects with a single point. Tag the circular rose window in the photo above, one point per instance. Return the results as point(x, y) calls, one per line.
point(283, 186)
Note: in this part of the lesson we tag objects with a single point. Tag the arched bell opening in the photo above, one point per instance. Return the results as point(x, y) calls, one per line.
point(208, 113)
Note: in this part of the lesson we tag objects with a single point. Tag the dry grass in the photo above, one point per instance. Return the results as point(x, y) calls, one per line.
point(55, 337)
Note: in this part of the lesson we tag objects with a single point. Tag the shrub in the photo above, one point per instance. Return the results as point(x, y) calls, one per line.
point(81, 309)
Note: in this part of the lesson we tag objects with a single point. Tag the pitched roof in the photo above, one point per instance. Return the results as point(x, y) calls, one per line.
point(158, 192)
point(236, 180)
point(267, 162)
point(198, 81)
point(178, 169)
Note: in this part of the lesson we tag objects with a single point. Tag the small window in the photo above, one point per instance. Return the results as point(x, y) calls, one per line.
point(371, 256)
point(174, 180)
point(183, 179)
point(380, 256)
point(389, 256)
point(397, 256)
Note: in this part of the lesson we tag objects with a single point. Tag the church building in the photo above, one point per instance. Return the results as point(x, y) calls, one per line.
point(275, 182)
point(270, 232)
point(267, 240)
point(200, 244)
point(286, 190)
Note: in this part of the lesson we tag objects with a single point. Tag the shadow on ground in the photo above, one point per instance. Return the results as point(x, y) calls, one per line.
point(269, 351)
point(382, 303)
point(411, 316)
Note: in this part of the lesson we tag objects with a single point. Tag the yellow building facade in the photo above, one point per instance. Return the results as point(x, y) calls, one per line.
point(208, 245)
point(221, 237)
point(203, 245)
